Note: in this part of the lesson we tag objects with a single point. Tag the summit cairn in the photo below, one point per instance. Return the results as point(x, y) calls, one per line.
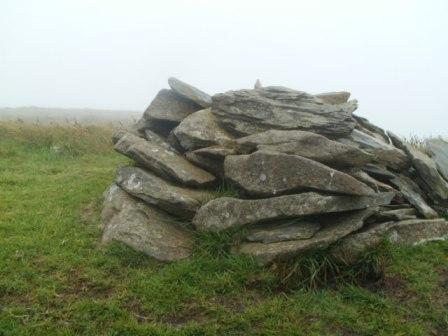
point(306, 172)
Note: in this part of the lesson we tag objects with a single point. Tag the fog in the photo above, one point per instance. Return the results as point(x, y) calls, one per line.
point(392, 55)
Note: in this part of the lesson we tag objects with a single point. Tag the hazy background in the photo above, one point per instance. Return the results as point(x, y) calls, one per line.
point(392, 55)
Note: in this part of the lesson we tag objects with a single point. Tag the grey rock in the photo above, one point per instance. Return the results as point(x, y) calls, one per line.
point(157, 139)
point(409, 232)
point(378, 172)
point(385, 153)
point(226, 212)
point(153, 190)
point(395, 214)
point(188, 91)
point(167, 110)
point(309, 145)
point(333, 229)
point(267, 173)
point(246, 112)
point(338, 97)
point(411, 191)
point(427, 170)
point(161, 161)
point(143, 227)
point(438, 150)
point(365, 178)
point(210, 159)
point(199, 130)
point(292, 229)
point(257, 85)
point(375, 131)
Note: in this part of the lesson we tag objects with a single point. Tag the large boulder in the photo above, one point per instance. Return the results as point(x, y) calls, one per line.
point(266, 173)
point(226, 212)
point(188, 91)
point(161, 161)
point(409, 232)
point(199, 130)
point(153, 190)
point(247, 112)
point(143, 227)
point(309, 145)
point(332, 230)
point(168, 109)
point(438, 150)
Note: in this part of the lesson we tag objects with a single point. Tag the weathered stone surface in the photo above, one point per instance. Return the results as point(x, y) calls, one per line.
point(427, 169)
point(188, 91)
point(267, 173)
point(163, 162)
point(333, 229)
point(143, 227)
point(199, 130)
point(247, 112)
point(438, 150)
point(226, 212)
point(309, 145)
point(365, 178)
point(210, 158)
point(378, 172)
point(292, 229)
point(339, 97)
point(377, 132)
point(411, 191)
point(386, 154)
point(157, 139)
point(395, 214)
point(168, 109)
point(153, 190)
point(409, 232)
point(257, 84)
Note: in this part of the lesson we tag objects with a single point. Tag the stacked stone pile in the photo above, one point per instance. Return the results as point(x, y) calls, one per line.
point(308, 174)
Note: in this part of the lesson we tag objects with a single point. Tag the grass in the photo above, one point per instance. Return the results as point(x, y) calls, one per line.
point(55, 279)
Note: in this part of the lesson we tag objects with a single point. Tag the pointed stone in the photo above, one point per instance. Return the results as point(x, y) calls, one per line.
point(338, 97)
point(246, 112)
point(292, 229)
point(226, 212)
point(257, 84)
point(267, 173)
point(309, 145)
point(143, 227)
point(201, 129)
point(168, 109)
point(153, 190)
point(188, 91)
point(334, 228)
point(161, 161)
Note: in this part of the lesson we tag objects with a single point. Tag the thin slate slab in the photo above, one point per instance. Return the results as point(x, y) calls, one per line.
point(163, 162)
point(408, 232)
point(266, 173)
point(338, 97)
point(291, 229)
point(200, 129)
point(227, 212)
point(188, 91)
point(153, 190)
point(306, 144)
point(246, 112)
point(334, 229)
point(438, 150)
point(143, 227)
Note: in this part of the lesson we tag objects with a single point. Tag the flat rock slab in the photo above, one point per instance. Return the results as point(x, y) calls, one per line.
point(427, 169)
point(188, 91)
point(396, 214)
point(226, 212)
point(153, 190)
point(291, 229)
point(143, 227)
point(210, 158)
point(386, 154)
point(266, 173)
point(438, 150)
point(246, 112)
point(157, 139)
point(161, 161)
point(409, 232)
point(200, 130)
point(412, 192)
point(338, 97)
point(169, 108)
point(309, 145)
point(334, 229)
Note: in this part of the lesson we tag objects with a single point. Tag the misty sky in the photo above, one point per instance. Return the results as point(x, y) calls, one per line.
point(392, 55)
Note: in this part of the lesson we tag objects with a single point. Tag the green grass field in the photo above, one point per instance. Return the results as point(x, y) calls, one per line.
point(55, 279)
